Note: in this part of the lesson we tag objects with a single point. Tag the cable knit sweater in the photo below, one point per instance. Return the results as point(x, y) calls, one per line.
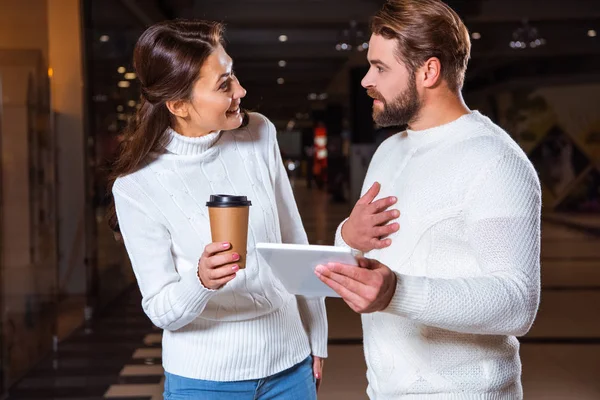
point(251, 328)
point(467, 261)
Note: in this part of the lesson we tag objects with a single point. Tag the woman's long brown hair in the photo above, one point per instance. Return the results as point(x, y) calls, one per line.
point(167, 60)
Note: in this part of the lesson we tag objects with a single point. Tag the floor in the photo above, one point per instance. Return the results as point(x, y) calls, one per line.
point(119, 356)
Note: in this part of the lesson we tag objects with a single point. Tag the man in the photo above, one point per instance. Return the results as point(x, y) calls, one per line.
point(448, 284)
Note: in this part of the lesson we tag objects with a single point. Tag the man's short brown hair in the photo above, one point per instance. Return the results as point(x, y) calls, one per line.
point(425, 29)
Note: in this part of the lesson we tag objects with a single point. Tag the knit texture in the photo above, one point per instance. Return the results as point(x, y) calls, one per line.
point(467, 261)
point(252, 327)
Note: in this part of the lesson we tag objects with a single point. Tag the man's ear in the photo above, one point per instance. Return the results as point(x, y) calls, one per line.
point(179, 108)
point(431, 72)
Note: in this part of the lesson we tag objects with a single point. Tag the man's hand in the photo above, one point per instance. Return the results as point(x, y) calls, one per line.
point(366, 227)
point(367, 288)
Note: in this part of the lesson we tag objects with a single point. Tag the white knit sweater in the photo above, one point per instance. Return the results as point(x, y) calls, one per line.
point(467, 261)
point(252, 327)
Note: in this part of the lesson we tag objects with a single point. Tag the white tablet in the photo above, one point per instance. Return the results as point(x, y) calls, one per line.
point(294, 265)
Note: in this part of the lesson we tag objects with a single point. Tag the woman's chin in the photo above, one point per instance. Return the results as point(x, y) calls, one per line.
point(234, 120)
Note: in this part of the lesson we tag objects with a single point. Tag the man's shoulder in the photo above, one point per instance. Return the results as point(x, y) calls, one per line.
point(484, 140)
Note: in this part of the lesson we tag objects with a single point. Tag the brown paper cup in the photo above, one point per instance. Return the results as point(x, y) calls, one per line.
point(229, 223)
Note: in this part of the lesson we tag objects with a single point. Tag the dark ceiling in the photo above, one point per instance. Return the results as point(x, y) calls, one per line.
point(313, 27)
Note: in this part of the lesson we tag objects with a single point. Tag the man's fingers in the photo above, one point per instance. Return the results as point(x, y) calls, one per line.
point(370, 195)
point(385, 217)
point(349, 296)
point(382, 204)
point(382, 231)
point(352, 278)
point(380, 243)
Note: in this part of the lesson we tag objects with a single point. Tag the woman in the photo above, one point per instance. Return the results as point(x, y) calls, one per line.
point(227, 333)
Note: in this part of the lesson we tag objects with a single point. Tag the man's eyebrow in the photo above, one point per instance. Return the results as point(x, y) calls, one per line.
point(378, 63)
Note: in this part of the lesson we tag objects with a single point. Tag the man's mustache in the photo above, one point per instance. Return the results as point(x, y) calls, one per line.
point(374, 94)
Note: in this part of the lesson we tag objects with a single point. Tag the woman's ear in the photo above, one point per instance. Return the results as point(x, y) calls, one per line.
point(179, 108)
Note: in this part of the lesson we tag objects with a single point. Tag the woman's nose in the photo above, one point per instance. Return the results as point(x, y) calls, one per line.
point(239, 92)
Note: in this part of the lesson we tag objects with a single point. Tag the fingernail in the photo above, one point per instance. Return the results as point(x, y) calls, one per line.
point(236, 257)
point(235, 267)
point(225, 245)
point(320, 269)
point(394, 199)
point(317, 376)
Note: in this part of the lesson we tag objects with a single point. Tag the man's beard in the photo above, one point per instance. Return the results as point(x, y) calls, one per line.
point(400, 111)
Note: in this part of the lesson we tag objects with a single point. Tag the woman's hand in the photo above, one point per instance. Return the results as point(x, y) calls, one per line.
point(215, 269)
point(318, 370)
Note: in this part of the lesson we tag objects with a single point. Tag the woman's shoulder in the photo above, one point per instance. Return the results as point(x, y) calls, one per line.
point(257, 122)
point(256, 126)
point(257, 132)
point(135, 184)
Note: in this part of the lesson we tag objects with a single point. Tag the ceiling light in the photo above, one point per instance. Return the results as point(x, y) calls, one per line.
point(592, 33)
point(123, 84)
point(283, 38)
point(476, 35)
point(104, 38)
point(526, 36)
point(131, 103)
point(280, 81)
point(130, 75)
point(120, 108)
point(312, 96)
point(352, 38)
point(282, 63)
point(121, 70)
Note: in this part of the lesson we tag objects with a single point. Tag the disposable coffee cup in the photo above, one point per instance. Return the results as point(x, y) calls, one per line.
point(229, 223)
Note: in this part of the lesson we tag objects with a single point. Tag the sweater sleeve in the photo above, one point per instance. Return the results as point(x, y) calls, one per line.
point(169, 298)
point(340, 242)
point(312, 310)
point(502, 216)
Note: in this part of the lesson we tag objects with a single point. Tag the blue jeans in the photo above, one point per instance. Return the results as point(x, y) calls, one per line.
point(295, 383)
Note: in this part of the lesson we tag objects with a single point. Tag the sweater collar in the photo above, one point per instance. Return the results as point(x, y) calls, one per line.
point(190, 146)
point(438, 133)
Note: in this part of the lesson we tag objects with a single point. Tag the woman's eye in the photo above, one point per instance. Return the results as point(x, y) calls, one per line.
point(225, 85)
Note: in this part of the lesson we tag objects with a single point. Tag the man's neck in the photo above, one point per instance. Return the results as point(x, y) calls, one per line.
point(440, 110)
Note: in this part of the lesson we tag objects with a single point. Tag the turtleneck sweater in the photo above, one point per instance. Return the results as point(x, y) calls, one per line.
point(252, 327)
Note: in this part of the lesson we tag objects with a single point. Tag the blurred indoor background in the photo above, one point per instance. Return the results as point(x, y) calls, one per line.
point(71, 325)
